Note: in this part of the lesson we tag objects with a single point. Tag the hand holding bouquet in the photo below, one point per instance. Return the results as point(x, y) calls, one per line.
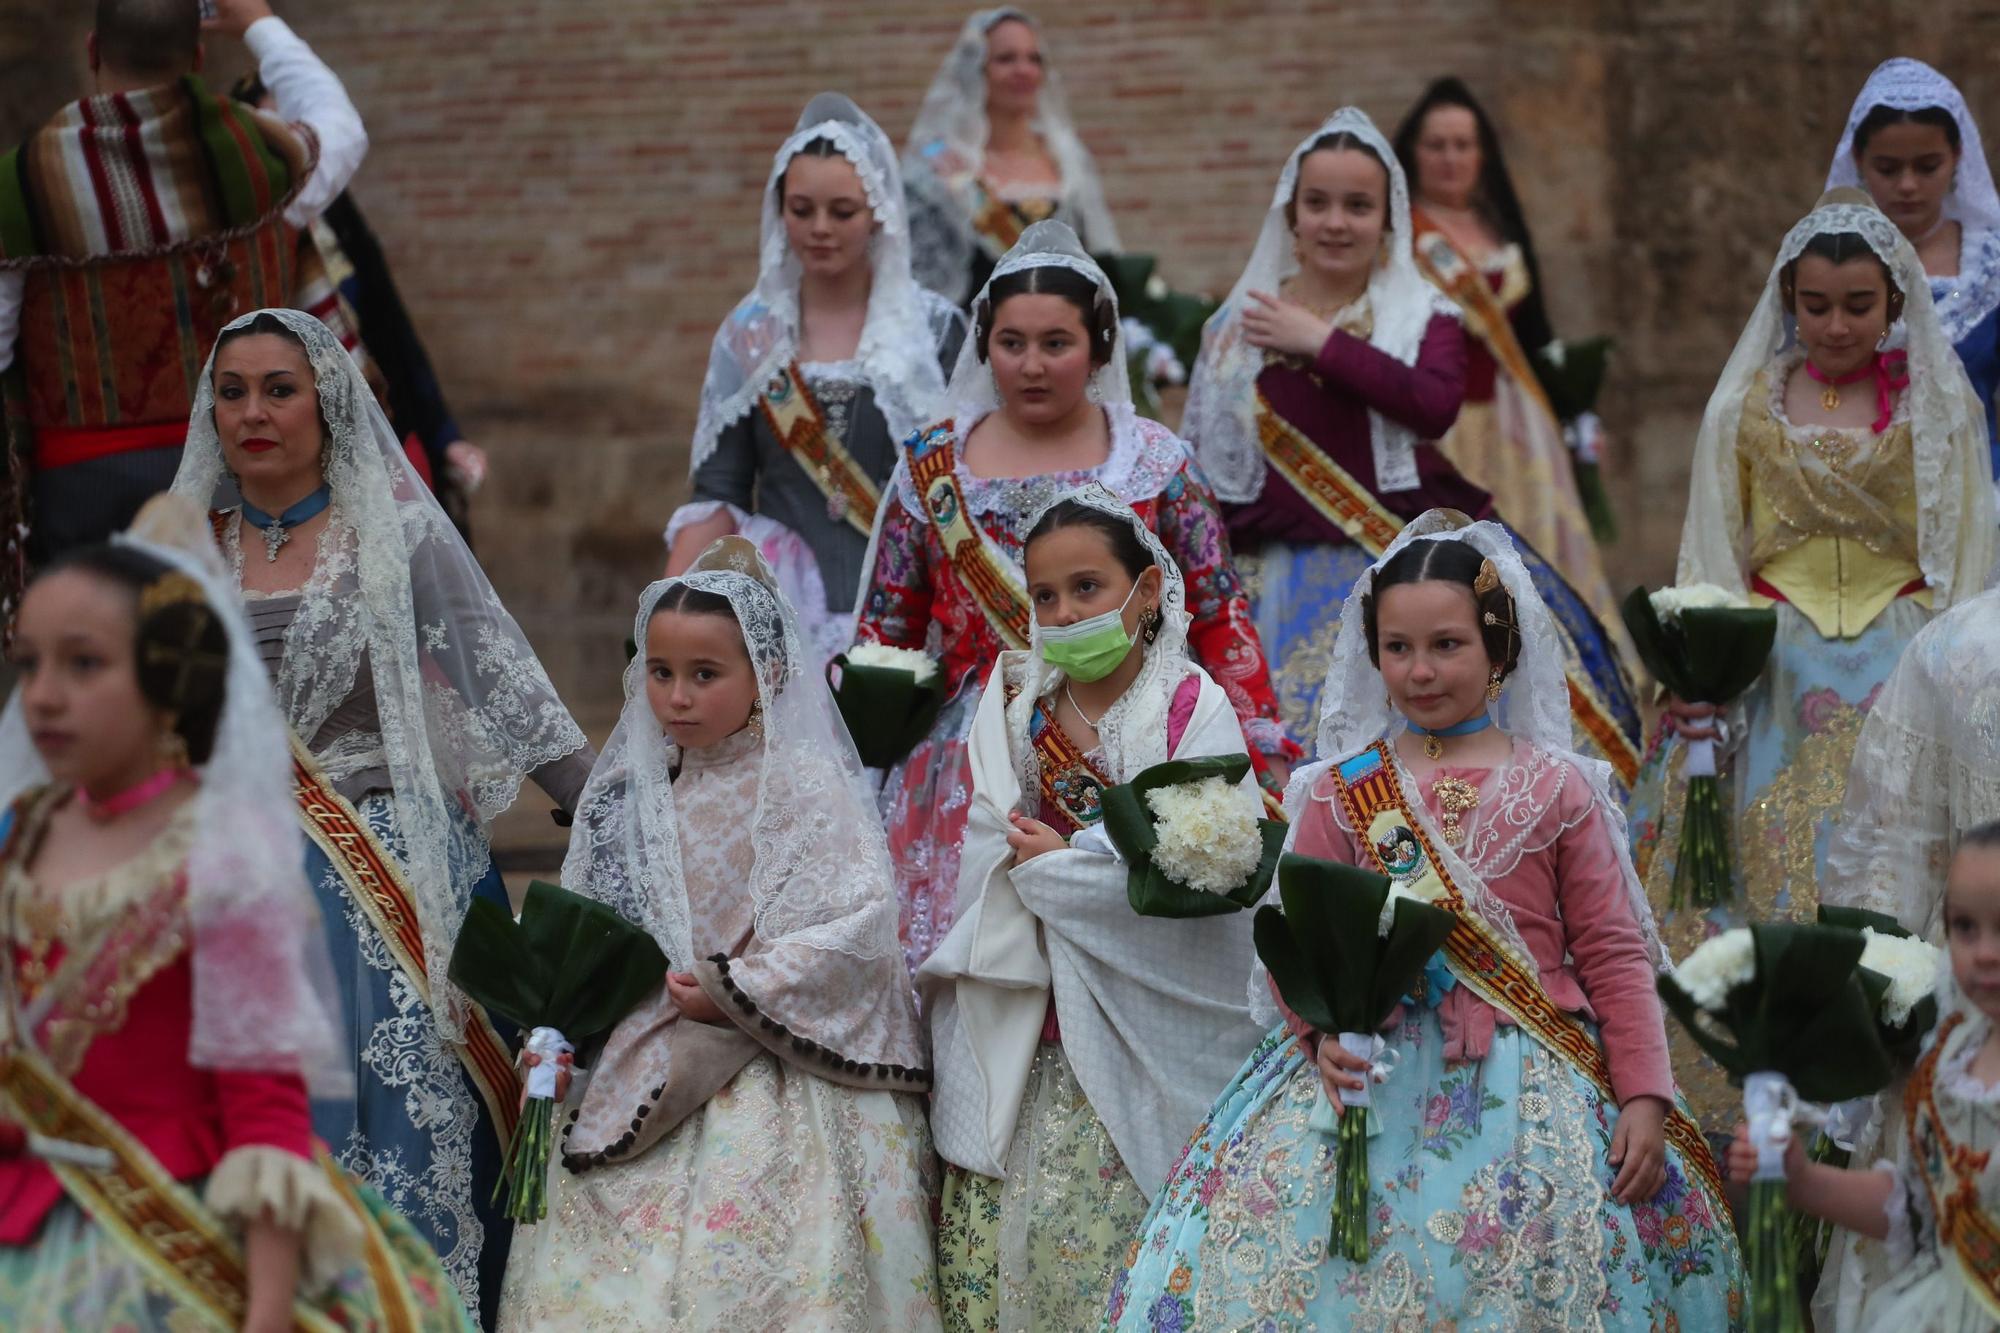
point(1193, 838)
point(1707, 646)
point(1347, 947)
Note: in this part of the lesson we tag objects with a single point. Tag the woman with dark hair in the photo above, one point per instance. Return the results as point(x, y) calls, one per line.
point(1472, 241)
point(1912, 143)
point(1040, 404)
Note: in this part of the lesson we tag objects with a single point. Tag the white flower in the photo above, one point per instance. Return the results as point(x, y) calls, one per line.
point(916, 663)
point(1668, 603)
point(1163, 367)
point(1910, 965)
point(1718, 966)
point(1139, 338)
point(1556, 351)
point(1156, 287)
point(1208, 835)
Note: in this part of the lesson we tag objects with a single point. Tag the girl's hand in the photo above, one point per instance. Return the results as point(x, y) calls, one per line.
point(1639, 1150)
point(1030, 838)
point(564, 1063)
point(1340, 1068)
point(692, 1000)
point(1285, 327)
point(1693, 721)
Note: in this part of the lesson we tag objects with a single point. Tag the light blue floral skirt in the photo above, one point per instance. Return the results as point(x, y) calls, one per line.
point(1489, 1209)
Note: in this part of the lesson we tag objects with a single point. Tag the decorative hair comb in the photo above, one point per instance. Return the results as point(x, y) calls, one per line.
point(172, 588)
point(1488, 580)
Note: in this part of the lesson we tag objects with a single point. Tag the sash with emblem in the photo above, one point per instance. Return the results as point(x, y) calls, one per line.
point(1399, 845)
point(1952, 1172)
point(987, 572)
point(1071, 784)
point(1485, 312)
point(795, 417)
point(1000, 222)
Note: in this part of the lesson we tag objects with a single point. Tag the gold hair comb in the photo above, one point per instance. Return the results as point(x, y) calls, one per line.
point(1488, 580)
point(170, 589)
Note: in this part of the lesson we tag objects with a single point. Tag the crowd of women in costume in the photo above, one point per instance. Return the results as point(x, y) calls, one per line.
point(916, 1062)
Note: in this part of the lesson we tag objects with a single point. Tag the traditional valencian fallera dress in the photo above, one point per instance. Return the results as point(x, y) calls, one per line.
point(1320, 465)
point(1489, 1173)
point(1078, 1042)
point(163, 1024)
point(945, 574)
point(1856, 536)
point(962, 223)
point(772, 1171)
point(797, 451)
point(417, 707)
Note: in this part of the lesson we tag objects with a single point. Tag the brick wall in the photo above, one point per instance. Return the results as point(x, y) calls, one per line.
point(569, 194)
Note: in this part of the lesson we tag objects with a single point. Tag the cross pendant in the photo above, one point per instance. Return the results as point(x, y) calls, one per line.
point(275, 536)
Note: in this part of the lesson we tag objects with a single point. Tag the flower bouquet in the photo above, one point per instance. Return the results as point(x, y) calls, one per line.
point(1784, 1011)
point(888, 697)
point(1192, 837)
point(1707, 646)
point(1572, 375)
point(1347, 947)
point(1900, 973)
point(566, 971)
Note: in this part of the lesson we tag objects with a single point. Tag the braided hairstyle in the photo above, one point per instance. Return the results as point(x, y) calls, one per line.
point(1449, 560)
point(180, 650)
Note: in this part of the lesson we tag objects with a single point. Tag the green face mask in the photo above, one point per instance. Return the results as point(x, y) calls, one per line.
point(1090, 649)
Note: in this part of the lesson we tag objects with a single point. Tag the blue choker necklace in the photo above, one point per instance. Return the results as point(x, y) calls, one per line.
point(277, 530)
point(1434, 740)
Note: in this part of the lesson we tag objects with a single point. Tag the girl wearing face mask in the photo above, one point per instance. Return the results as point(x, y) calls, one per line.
point(1472, 241)
point(1040, 404)
point(1843, 477)
point(1077, 1043)
point(835, 356)
point(993, 152)
point(1912, 143)
point(1321, 382)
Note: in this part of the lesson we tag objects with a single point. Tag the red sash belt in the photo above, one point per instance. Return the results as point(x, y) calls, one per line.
point(61, 446)
point(1762, 588)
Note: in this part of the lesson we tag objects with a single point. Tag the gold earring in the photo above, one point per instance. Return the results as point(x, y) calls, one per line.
point(1494, 686)
point(756, 723)
point(173, 747)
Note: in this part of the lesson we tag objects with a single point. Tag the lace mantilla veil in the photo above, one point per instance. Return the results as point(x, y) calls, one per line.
point(820, 876)
point(1355, 712)
point(465, 709)
point(1221, 417)
point(1132, 734)
point(1947, 423)
point(898, 352)
point(947, 148)
point(1911, 85)
point(264, 996)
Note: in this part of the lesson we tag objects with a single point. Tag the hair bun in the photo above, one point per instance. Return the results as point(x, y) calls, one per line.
point(736, 555)
point(1844, 194)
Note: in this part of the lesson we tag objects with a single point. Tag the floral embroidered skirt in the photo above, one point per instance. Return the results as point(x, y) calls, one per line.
point(1296, 593)
point(787, 1202)
point(1490, 1209)
point(1038, 1250)
point(416, 1130)
point(925, 804)
point(1784, 782)
point(74, 1275)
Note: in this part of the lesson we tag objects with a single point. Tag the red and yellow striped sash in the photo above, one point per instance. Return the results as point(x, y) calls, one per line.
point(796, 419)
point(991, 578)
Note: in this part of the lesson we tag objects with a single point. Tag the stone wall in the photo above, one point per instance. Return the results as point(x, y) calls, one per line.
point(569, 194)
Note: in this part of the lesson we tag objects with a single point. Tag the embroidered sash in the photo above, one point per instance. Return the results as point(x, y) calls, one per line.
point(986, 572)
point(376, 883)
point(1465, 283)
point(1337, 496)
point(1398, 845)
point(1070, 782)
point(795, 418)
point(1965, 1228)
point(1001, 222)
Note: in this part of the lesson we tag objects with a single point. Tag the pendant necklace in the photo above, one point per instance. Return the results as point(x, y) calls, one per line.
point(277, 528)
point(1434, 740)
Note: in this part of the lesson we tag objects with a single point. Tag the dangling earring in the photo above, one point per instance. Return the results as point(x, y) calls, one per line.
point(172, 746)
point(1149, 624)
point(1494, 686)
point(1390, 700)
point(756, 723)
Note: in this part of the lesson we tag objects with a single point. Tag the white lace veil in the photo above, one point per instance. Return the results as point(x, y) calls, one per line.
point(898, 352)
point(821, 873)
point(1355, 712)
point(947, 149)
point(1947, 423)
point(464, 706)
point(1221, 417)
point(973, 392)
point(264, 995)
point(1132, 734)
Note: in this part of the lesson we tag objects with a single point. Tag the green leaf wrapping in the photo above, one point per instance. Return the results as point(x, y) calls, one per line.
point(1860, 918)
point(1332, 968)
point(886, 711)
point(570, 963)
point(1573, 385)
point(1706, 654)
point(1128, 821)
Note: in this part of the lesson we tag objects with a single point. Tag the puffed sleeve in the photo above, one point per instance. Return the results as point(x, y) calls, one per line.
point(267, 1171)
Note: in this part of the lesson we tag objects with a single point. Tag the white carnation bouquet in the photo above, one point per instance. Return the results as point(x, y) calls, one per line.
point(1208, 834)
point(888, 697)
point(1190, 834)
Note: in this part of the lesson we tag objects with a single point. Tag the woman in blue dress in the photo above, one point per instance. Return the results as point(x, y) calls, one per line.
point(416, 708)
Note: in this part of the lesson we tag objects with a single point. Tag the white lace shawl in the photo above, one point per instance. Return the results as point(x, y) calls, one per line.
point(1221, 417)
point(946, 151)
point(264, 997)
point(1911, 85)
point(1534, 708)
point(466, 710)
point(897, 356)
point(1951, 455)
